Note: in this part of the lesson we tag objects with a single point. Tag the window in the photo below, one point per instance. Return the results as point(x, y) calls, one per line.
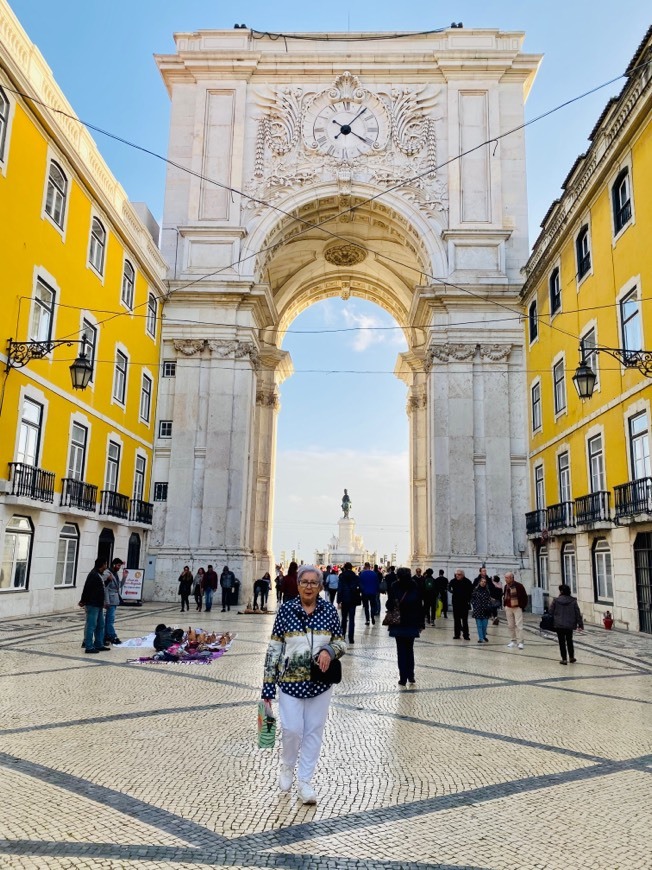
point(152, 308)
point(533, 320)
point(145, 398)
point(639, 445)
point(630, 319)
point(169, 369)
point(97, 246)
point(139, 477)
point(583, 252)
point(604, 590)
point(542, 565)
point(128, 281)
point(165, 429)
point(621, 201)
point(569, 567)
point(120, 377)
point(112, 467)
point(559, 385)
point(589, 343)
point(596, 464)
point(77, 452)
point(14, 573)
point(554, 288)
point(539, 490)
point(160, 491)
point(66, 570)
point(29, 435)
point(536, 406)
point(133, 551)
point(89, 334)
point(4, 123)
point(55, 196)
point(563, 475)
point(40, 327)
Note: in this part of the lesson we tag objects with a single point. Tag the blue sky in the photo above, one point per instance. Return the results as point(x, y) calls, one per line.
point(335, 430)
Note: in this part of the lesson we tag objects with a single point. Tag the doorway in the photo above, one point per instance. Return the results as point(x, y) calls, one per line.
point(643, 571)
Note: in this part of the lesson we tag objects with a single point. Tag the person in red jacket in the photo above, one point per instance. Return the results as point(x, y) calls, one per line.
point(514, 602)
point(289, 588)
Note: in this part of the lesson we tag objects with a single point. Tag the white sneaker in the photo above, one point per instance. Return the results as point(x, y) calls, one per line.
point(285, 777)
point(520, 646)
point(306, 792)
point(511, 644)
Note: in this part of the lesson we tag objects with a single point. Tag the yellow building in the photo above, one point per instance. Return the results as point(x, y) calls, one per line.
point(589, 285)
point(78, 263)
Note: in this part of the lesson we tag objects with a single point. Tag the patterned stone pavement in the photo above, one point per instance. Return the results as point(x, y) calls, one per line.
point(498, 760)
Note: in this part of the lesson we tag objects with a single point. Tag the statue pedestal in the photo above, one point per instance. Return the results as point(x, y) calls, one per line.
point(347, 549)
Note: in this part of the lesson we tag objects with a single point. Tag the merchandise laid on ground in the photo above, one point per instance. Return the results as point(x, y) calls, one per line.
point(195, 646)
point(496, 759)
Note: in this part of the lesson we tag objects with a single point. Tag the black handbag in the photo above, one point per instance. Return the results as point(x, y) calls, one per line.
point(393, 614)
point(332, 675)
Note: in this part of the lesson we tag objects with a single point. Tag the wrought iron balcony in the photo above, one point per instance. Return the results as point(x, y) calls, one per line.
point(536, 521)
point(140, 511)
point(78, 494)
point(115, 504)
point(561, 516)
point(593, 508)
point(633, 498)
point(29, 481)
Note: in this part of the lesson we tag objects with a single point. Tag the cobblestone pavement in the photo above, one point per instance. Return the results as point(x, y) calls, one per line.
point(499, 759)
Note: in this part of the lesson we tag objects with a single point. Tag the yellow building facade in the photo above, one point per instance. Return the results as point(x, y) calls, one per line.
point(588, 293)
point(80, 265)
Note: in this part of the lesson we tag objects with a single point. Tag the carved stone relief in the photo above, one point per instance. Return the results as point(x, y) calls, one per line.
point(342, 254)
point(189, 346)
point(268, 398)
point(495, 352)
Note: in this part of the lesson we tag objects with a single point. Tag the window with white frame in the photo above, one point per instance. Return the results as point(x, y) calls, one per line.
point(588, 343)
point(539, 488)
point(630, 321)
point(536, 406)
point(139, 477)
point(4, 123)
point(56, 194)
point(146, 398)
point(160, 491)
point(602, 571)
point(112, 474)
point(554, 288)
point(533, 320)
point(128, 283)
point(77, 451)
point(596, 463)
point(40, 327)
point(97, 245)
point(621, 201)
point(152, 309)
point(89, 334)
point(169, 369)
point(165, 428)
point(559, 386)
point(29, 433)
point(66, 570)
point(569, 567)
point(542, 560)
point(120, 377)
point(563, 476)
point(583, 252)
point(16, 553)
point(639, 445)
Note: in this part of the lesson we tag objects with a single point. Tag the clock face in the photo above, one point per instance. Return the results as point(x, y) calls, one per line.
point(346, 129)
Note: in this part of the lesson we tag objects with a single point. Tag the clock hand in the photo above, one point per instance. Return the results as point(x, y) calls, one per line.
point(363, 109)
point(361, 138)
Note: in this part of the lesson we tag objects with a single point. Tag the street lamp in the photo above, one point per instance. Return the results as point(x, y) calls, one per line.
point(585, 378)
point(19, 353)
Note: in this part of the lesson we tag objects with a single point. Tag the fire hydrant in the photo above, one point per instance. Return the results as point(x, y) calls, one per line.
point(607, 620)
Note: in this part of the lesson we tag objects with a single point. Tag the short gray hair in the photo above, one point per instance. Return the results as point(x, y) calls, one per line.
point(310, 569)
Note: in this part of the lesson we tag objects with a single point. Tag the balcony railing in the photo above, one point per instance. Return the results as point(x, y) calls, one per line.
point(78, 494)
point(31, 482)
point(592, 508)
point(561, 516)
point(633, 498)
point(583, 265)
point(536, 521)
point(114, 504)
point(140, 511)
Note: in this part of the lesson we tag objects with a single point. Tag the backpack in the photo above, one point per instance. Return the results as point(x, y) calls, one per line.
point(429, 584)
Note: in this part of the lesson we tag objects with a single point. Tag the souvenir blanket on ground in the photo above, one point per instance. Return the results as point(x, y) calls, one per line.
point(198, 647)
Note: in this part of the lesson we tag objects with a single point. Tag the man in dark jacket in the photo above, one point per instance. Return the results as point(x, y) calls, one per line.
point(348, 597)
point(461, 588)
point(92, 598)
point(441, 585)
point(514, 602)
point(209, 585)
point(369, 586)
point(227, 582)
point(567, 617)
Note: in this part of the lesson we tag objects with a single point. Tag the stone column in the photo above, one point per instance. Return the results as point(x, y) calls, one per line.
point(417, 411)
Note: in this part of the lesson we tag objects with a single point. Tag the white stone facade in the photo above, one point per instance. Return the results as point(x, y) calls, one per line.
point(436, 241)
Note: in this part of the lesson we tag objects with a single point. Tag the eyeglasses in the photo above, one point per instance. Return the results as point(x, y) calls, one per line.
point(309, 583)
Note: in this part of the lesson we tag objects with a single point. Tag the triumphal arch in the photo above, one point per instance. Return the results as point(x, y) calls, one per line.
point(390, 167)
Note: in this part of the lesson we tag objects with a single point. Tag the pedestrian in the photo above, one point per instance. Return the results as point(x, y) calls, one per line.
point(111, 579)
point(514, 602)
point(441, 584)
point(185, 587)
point(227, 584)
point(197, 588)
point(430, 596)
point(333, 580)
point(209, 587)
point(348, 597)
point(482, 607)
point(405, 592)
point(289, 588)
point(278, 580)
point(496, 589)
point(461, 588)
point(369, 587)
point(306, 629)
point(261, 587)
point(567, 617)
point(92, 598)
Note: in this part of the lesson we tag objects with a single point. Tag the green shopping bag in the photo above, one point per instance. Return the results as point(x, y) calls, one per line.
point(266, 725)
point(438, 608)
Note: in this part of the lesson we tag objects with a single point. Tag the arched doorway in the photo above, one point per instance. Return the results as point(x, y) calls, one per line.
point(643, 569)
point(105, 545)
point(133, 551)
